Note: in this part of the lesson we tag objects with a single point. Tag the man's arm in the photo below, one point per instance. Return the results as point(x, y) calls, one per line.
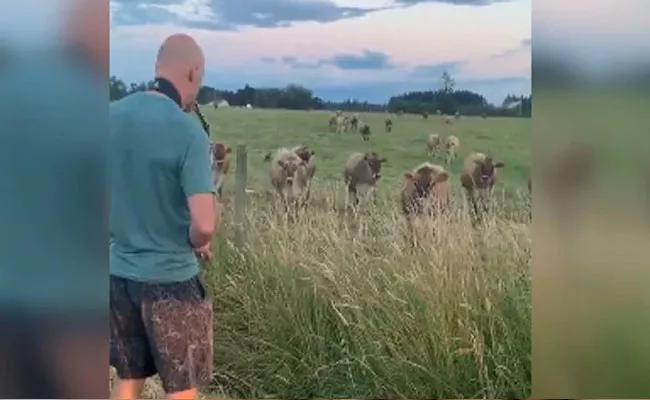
point(196, 181)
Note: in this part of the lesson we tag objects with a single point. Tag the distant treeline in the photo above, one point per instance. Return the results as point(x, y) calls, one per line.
point(296, 97)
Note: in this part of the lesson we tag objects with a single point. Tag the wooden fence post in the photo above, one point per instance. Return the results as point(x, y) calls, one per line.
point(241, 175)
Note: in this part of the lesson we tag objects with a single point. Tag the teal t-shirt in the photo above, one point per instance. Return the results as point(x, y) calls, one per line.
point(158, 157)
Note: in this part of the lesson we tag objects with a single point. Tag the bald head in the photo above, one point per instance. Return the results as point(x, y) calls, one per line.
point(180, 51)
point(180, 60)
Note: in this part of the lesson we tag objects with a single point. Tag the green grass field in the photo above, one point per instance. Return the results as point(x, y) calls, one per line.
point(332, 307)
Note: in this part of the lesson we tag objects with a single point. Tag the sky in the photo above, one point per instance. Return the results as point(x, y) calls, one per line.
point(364, 49)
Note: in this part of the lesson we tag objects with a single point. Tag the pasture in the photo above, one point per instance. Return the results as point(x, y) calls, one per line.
point(337, 306)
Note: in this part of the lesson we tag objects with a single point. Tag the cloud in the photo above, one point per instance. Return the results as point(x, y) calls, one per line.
point(475, 3)
point(436, 70)
point(367, 60)
point(230, 14)
point(524, 46)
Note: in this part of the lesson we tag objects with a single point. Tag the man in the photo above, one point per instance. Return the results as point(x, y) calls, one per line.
point(162, 218)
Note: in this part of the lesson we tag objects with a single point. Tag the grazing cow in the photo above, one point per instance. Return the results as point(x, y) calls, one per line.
point(425, 191)
point(478, 177)
point(433, 144)
point(333, 123)
point(282, 173)
point(364, 129)
point(448, 119)
point(220, 164)
point(425, 115)
point(389, 124)
point(305, 174)
point(354, 122)
point(361, 169)
point(452, 144)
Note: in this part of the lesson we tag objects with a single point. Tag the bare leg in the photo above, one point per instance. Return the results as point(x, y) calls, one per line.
point(127, 389)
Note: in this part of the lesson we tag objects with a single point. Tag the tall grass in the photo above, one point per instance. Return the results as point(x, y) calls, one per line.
point(337, 306)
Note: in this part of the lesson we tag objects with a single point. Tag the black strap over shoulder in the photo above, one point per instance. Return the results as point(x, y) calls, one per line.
point(164, 86)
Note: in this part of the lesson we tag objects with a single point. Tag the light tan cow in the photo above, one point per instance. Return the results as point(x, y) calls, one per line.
point(341, 123)
point(305, 173)
point(282, 173)
point(433, 144)
point(333, 123)
point(452, 144)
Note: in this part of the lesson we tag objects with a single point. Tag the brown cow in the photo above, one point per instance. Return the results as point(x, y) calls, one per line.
point(425, 190)
point(478, 177)
point(388, 123)
point(220, 164)
point(354, 122)
point(364, 130)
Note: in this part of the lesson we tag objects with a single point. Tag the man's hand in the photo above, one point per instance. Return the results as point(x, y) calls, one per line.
point(204, 253)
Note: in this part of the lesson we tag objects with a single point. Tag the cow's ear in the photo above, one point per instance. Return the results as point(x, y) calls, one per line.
point(408, 175)
point(228, 149)
point(281, 163)
point(442, 177)
point(499, 164)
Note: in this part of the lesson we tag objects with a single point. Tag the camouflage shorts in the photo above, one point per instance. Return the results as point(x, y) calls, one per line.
point(162, 328)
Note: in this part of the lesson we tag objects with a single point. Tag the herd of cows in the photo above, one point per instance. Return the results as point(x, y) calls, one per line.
point(425, 189)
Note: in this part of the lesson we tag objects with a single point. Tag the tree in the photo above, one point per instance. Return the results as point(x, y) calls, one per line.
point(448, 83)
point(296, 97)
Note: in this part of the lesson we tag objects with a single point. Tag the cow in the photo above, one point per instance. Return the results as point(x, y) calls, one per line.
point(433, 144)
point(305, 174)
point(364, 130)
point(361, 169)
point(388, 123)
point(425, 190)
point(333, 123)
point(478, 177)
point(220, 164)
point(354, 122)
point(282, 172)
point(452, 144)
